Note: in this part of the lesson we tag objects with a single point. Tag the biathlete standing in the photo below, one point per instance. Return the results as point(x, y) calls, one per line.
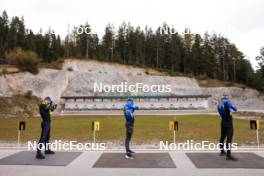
point(129, 109)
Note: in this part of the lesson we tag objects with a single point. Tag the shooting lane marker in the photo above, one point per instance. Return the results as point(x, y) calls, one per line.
point(173, 126)
point(254, 125)
point(95, 127)
point(21, 126)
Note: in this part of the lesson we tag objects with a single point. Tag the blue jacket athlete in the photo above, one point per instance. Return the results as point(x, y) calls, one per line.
point(224, 108)
point(129, 109)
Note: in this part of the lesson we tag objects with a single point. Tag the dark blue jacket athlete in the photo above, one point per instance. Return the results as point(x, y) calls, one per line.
point(46, 109)
point(224, 108)
point(129, 109)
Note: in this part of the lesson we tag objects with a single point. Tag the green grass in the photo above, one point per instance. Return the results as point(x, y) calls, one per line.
point(148, 129)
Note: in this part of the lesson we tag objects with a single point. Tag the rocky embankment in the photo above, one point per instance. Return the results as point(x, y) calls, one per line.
point(77, 78)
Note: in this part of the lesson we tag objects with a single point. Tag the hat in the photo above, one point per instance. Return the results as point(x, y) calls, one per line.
point(224, 97)
point(130, 99)
point(48, 99)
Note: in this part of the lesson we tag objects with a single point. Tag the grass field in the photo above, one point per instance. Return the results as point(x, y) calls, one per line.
point(148, 129)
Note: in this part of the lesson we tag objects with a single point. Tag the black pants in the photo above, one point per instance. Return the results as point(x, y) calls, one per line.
point(227, 131)
point(129, 133)
point(45, 135)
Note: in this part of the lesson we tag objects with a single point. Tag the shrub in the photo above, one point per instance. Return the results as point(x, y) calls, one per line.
point(228, 84)
point(28, 95)
point(146, 71)
point(58, 64)
point(24, 60)
point(70, 69)
point(202, 77)
point(4, 72)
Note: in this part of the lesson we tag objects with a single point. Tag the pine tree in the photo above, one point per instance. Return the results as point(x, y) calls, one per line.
point(260, 60)
point(198, 64)
point(187, 58)
point(175, 52)
point(108, 43)
point(4, 29)
point(16, 34)
point(120, 44)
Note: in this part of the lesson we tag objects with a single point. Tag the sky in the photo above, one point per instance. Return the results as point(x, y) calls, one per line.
point(238, 20)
